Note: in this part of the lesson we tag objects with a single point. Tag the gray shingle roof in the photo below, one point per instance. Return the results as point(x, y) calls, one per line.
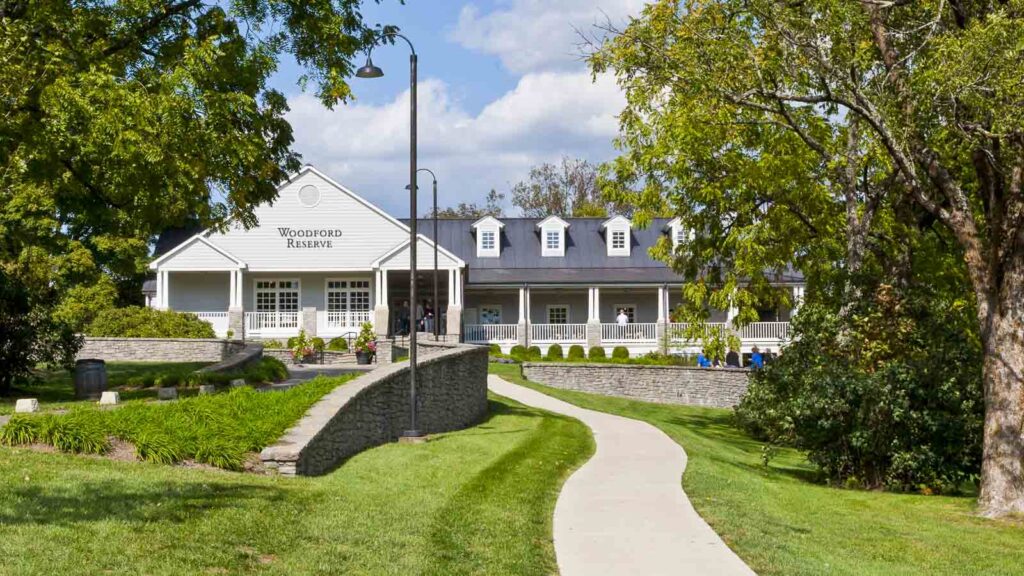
point(586, 257)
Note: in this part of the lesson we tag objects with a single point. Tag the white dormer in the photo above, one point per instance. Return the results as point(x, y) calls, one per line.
point(552, 236)
point(488, 237)
point(617, 235)
point(677, 232)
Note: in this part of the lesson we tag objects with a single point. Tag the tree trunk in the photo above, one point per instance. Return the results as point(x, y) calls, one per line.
point(1002, 468)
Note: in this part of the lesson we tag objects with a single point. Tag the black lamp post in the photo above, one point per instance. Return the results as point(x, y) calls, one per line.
point(371, 71)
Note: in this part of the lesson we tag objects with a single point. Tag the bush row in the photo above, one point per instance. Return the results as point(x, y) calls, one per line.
point(620, 355)
point(267, 369)
point(219, 430)
point(144, 322)
point(338, 344)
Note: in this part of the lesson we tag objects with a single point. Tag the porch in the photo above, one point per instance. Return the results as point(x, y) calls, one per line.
point(588, 317)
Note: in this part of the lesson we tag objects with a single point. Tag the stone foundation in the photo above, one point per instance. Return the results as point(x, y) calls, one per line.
point(714, 387)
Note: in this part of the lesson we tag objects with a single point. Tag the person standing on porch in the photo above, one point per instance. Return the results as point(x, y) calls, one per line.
point(403, 318)
point(622, 319)
point(428, 317)
point(756, 361)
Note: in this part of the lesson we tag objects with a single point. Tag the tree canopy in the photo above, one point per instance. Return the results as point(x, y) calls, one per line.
point(817, 132)
point(566, 189)
point(121, 119)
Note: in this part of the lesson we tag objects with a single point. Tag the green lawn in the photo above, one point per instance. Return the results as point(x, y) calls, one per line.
point(780, 522)
point(57, 391)
point(478, 501)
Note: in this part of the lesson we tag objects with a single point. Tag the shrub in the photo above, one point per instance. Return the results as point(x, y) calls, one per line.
point(494, 349)
point(318, 344)
point(891, 398)
point(273, 344)
point(596, 353)
point(518, 352)
point(144, 322)
point(576, 352)
point(620, 353)
point(21, 429)
point(268, 369)
point(554, 352)
point(533, 353)
point(169, 380)
point(338, 344)
point(367, 339)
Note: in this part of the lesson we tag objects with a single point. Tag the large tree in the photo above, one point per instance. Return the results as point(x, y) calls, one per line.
point(472, 210)
point(779, 128)
point(120, 119)
point(566, 189)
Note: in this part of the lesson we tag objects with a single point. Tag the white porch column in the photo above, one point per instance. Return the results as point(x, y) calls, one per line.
point(236, 310)
point(233, 290)
point(454, 303)
point(594, 318)
point(798, 299)
point(661, 328)
point(162, 294)
point(381, 313)
point(731, 315)
point(523, 327)
point(662, 305)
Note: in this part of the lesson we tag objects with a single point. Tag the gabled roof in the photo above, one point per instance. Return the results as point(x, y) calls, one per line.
point(673, 223)
point(551, 219)
point(487, 220)
point(617, 220)
point(201, 237)
point(422, 238)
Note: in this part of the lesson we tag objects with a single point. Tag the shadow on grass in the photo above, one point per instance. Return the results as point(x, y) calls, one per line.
point(117, 500)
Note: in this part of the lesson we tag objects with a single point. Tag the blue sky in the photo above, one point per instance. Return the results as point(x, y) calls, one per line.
point(502, 88)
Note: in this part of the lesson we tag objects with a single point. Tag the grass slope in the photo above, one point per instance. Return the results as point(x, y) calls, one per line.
point(478, 501)
point(780, 522)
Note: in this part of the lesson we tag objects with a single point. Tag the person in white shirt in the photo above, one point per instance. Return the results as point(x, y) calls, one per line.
point(622, 319)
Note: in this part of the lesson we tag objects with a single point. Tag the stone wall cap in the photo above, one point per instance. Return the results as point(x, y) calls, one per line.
point(631, 366)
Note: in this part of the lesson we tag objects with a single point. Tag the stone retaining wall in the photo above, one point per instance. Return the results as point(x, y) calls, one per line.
point(330, 356)
point(374, 409)
point(159, 349)
point(719, 388)
point(250, 353)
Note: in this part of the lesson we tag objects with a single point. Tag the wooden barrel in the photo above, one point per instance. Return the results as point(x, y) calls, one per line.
point(90, 378)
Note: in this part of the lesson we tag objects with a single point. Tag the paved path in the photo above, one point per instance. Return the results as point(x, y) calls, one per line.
point(299, 374)
point(624, 511)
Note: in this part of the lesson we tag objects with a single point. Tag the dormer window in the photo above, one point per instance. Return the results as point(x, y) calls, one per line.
point(552, 240)
point(677, 232)
point(616, 230)
point(488, 237)
point(552, 236)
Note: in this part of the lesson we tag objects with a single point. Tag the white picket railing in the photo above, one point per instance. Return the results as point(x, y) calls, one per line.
point(558, 333)
point(769, 331)
point(491, 333)
point(348, 319)
point(637, 332)
point(677, 331)
point(258, 322)
point(218, 320)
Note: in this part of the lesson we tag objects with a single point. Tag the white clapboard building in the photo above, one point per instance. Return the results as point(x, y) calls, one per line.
point(325, 260)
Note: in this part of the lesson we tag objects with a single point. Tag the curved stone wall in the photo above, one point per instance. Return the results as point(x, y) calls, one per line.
point(373, 409)
point(715, 387)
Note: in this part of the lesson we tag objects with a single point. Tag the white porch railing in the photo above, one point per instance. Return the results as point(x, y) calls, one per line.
point(637, 332)
point(542, 333)
point(218, 320)
point(491, 333)
point(678, 330)
point(349, 319)
point(769, 331)
point(263, 322)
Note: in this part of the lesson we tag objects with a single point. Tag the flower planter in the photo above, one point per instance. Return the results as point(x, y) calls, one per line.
point(363, 357)
point(308, 359)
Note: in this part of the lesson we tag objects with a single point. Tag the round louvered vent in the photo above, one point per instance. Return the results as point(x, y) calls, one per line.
point(309, 196)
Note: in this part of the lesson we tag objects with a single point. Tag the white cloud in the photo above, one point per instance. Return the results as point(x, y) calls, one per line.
point(547, 115)
point(530, 35)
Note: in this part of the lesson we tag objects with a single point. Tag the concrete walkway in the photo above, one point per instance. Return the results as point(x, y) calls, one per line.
point(303, 372)
point(624, 511)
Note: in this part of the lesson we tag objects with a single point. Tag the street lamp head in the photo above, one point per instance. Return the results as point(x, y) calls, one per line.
point(369, 70)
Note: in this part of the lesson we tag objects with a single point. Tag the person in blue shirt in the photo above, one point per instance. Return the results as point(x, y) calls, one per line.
point(756, 361)
point(702, 360)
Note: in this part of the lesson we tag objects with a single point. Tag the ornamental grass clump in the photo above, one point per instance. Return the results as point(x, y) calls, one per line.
point(220, 430)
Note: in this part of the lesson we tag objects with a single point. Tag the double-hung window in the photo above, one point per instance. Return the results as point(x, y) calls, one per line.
point(348, 302)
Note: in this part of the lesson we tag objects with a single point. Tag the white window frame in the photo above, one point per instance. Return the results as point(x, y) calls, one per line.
point(568, 313)
point(348, 290)
point(495, 307)
point(617, 307)
point(482, 251)
point(559, 235)
point(276, 290)
point(614, 250)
